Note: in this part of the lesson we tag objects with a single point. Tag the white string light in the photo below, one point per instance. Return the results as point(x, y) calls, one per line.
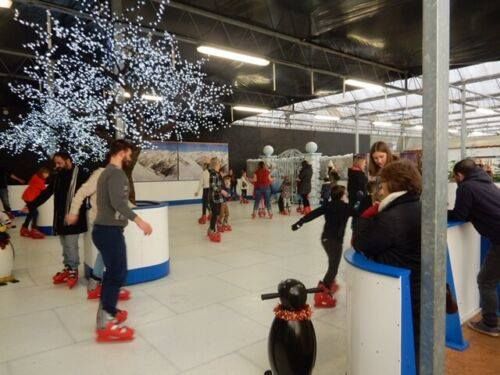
point(104, 67)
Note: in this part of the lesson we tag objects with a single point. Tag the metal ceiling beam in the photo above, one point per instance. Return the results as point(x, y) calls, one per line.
point(185, 39)
point(279, 35)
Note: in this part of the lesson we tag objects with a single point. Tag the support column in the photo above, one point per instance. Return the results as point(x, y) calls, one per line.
point(356, 122)
point(463, 128)
point(435, 66)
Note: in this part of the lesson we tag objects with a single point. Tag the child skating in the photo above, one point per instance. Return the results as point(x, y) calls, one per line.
point(336, 213)
point(285, 196)
point(35, 187)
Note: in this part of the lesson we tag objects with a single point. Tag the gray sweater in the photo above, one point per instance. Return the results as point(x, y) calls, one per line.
point(112, 198)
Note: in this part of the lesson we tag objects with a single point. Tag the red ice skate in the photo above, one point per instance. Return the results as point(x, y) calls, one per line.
point(214, 236)
point(202, 220)
point(324, 299)
point(227, 228)
point(72, 279)
point(36, 234)
point(61, 277)
point(113, 331)
point(25, 232)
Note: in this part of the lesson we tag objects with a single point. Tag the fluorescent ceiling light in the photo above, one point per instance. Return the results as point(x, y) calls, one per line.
point(151, 97)
point(416, 127)
point(485, 111)
point(477, 134)
point(362, 84)
point(453, 131)
point(244, 108)
point(231, 55)
point(5, 3)
point(383, 124)
point(326, 118)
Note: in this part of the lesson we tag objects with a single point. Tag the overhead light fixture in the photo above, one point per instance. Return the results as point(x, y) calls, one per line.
point(326, 118)
point(417, 128)
point(477, 134)
point(485, 111)
point(362, 84)
point(453, 131)
point(5, 3)
point(151, 97)
point(244, 108)
point(231, 55)
point(384, 124)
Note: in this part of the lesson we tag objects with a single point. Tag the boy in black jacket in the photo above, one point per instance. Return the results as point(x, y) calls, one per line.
point(336, 213)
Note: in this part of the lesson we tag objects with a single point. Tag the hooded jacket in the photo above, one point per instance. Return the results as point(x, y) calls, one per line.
point(478, 201)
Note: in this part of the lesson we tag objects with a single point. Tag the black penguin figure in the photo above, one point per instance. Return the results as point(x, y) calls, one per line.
point(292, 340)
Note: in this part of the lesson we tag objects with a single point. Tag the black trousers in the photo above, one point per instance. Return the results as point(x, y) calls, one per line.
point(215, 208)
point(333, 249)
point(110, 242)
point(204, 201)
point(32, 216)
point(305, 200)
point(487, 281)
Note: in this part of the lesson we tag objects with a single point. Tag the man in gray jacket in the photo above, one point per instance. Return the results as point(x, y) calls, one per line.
point(113, 214)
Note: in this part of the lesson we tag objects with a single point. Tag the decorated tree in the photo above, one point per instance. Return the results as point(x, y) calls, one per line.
point(109, 73)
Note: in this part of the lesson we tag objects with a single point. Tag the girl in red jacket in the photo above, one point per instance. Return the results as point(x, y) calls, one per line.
point(34, 189)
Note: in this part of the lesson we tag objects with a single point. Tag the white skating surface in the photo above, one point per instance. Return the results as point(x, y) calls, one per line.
point(205, 318)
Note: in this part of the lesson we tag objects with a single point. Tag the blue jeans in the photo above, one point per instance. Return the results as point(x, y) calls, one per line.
point(110, 242)
point(71, 257)
point(264, 192)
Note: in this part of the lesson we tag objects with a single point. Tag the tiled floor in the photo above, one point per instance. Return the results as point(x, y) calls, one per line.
point(205, 318)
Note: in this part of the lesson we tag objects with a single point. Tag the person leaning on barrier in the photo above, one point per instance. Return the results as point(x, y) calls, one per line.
point(478, 201)
point(390, 232)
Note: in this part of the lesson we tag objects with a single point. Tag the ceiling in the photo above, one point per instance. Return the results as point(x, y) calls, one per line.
point(314, 44)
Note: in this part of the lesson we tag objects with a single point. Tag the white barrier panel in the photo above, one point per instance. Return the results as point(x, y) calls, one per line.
point(147, 256)
point(464, 248)
point(374, 318)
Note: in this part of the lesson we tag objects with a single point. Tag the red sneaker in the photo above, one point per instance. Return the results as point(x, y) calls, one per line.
point(25, 232)
point(72, 278)
point(37, 235)
point(94, 293)
point(114, 332)
point(61, 277)
point(202, 220)
point(121, 315)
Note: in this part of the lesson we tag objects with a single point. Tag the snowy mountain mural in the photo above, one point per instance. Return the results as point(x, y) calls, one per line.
point(172, 161)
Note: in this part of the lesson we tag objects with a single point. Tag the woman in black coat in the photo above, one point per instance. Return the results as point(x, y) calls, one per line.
point(392, 236)
point(304, 185)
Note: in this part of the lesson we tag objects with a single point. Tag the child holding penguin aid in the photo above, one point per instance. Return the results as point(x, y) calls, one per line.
point(336, 213)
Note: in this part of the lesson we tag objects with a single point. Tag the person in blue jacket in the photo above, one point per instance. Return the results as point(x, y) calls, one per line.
point(478, 201)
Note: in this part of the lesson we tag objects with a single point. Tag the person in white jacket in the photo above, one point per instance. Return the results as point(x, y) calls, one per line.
point(205, 185)
point(88, 190)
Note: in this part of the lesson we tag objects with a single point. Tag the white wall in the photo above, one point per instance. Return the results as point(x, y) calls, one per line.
point(166, 191)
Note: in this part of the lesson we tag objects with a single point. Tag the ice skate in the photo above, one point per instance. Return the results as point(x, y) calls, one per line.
point(109, 328)
point(72, 279)
point(61, 277)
